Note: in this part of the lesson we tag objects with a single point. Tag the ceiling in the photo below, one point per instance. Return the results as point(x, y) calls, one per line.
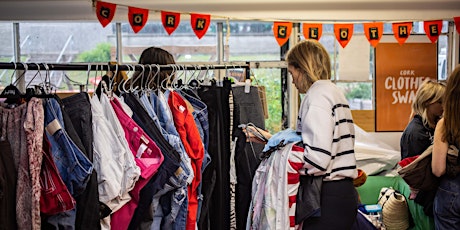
point(268, 10)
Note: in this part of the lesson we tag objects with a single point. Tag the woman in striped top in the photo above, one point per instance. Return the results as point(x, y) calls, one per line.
point(326, 126)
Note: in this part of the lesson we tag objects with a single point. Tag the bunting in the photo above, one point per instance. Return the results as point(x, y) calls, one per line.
point(457, 23)
point(433, 29)
point(200, 24)
point(312, 31)
point(282, 31)
point(343, 33)
point(373, 32)
point(137, 18)
point(170, 21)
point(402, 31)
point(105, 12)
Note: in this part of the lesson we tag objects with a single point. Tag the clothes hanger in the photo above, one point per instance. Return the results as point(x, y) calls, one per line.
point(152, 78)
point(133, 88)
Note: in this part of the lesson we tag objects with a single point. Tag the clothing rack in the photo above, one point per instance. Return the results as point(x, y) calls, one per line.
point(115, 67)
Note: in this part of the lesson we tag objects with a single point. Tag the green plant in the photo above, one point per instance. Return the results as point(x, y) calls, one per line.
point(359, 90)
point(99, 54)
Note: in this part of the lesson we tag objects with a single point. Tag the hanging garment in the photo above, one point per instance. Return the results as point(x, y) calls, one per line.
point(215, 210)
point(78, 109)
point(8, 178)
point(117, 170)
point(169, 167)
point(274, 190)
point(147, 156)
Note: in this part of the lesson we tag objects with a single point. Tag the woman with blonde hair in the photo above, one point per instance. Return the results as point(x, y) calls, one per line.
point(426, 111)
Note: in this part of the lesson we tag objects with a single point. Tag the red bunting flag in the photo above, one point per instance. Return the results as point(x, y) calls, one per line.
point(457, 23)
point(433, 29)
point(137, 18)
point(200, 24)
point(105, 12)
point(343, 33)
point(170, 21)
point(374, 32)
point(282, 31)
point(402, 31)
point(312, 31)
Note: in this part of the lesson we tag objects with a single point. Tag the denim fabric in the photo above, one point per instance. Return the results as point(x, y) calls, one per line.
point(447, 204)
point(78, 108)
point(167, 169)
point(215, 209)
point(74, 167)
point(200, 114)
point(61, 221)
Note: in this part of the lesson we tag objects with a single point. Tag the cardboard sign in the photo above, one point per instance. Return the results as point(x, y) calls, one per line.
point(399, 71)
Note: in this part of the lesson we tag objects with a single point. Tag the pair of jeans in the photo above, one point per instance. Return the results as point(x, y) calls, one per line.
point(78, 109)
point(215, 209)
point(7, 187)
point(447, 204)
point(167, 169)
point(247, 109)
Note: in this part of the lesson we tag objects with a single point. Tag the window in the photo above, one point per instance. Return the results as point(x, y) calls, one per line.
point(6, 53)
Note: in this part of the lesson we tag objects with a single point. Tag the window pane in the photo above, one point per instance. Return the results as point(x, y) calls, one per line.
point(6, 52)
point(358, 94)
point(271, 80)
point(251, 41)
point(63, 43)
point(182, 43)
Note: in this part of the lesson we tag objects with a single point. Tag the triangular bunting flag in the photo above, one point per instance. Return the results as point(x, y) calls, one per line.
point(374, 32)
point(433, 29)
point(402, 31)
point(137, 18)
point(105, 12)
point(457, 23)
point(200, 24)
point(312, 31)
point(343, 33)
point(282, 31)
point(170, 21)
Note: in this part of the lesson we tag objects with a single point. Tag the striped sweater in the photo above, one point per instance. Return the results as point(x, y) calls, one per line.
point(326, 125)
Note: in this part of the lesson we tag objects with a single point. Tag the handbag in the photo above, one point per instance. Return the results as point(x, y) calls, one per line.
point(418, 173)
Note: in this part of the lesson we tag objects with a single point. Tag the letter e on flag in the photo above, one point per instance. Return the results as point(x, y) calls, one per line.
point(433, 29)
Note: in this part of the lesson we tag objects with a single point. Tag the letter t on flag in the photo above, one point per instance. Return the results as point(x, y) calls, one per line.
point(105, 12)
point(137, 18)
point(282, 31)
point(170, 21)
point(374, 32)
point(200, 24)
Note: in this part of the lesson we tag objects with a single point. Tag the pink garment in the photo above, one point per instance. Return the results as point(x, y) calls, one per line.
point(34, 129)
point(12, 129)
point(147, 156)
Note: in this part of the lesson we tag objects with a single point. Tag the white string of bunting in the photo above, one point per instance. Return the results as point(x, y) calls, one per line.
point(138, 17)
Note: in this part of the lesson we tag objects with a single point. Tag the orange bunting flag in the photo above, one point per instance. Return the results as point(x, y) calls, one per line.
point(282, 31)
point(402, 31)
point(312, 31)
point(457, 23)
point(433, 29)
point(374, 32)
point(200, 24)
point(170, 21)
point(105, 12)
point(343, 33)
point(137, 18)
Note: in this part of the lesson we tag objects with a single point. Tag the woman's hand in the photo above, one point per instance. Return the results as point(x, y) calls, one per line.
point(255, 134)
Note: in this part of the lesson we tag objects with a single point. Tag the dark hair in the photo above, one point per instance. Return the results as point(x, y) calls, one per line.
point(159, 56)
